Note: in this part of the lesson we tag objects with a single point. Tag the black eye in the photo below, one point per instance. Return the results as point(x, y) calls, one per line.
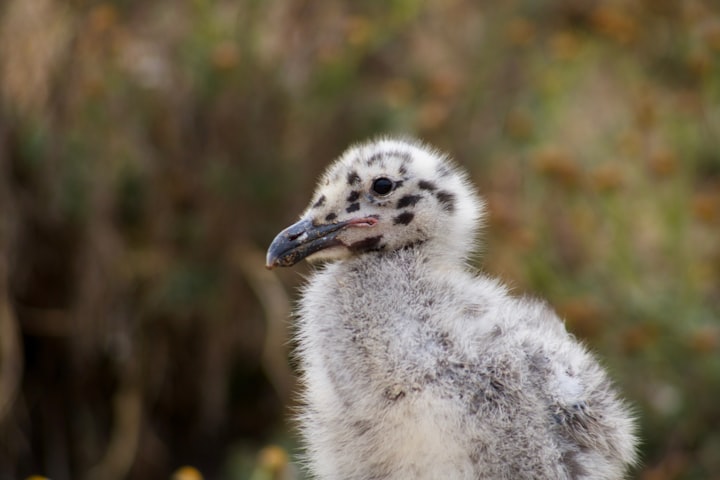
point(382, 186)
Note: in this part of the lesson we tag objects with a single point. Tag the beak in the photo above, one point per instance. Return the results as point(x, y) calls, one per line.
point(304, 238)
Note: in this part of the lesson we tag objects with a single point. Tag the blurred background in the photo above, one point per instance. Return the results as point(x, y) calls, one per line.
point(149, 152)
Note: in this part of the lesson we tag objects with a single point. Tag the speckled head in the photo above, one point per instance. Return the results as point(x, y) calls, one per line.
point(380, 196)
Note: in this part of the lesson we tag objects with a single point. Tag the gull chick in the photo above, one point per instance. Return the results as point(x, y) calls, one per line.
point(417, 367)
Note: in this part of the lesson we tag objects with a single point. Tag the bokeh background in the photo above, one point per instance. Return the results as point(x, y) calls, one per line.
point(150, 150)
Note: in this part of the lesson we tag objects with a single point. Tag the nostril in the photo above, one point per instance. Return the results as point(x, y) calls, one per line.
point(297, 236)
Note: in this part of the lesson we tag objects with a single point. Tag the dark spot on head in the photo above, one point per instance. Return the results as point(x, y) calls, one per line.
point(402, 170)
point(354, 195)
point(330, 217)
point(353, 178)
point(379, 156)
point(320, 202)
point(404, 156)
point(447, 199)
point(374, 158)
point(354, 207)
point(408, 200)
point(370, 243)
point(443, 171)
point(404, 218)
point(425, 185)
point(398, 184)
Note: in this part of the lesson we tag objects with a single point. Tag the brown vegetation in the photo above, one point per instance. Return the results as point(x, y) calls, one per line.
point(150, 150)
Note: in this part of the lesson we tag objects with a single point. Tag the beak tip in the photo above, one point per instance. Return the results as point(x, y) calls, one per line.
point(300, 240)
point(271, 261)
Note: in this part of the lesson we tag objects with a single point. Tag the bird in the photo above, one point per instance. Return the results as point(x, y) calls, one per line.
point(414, 364)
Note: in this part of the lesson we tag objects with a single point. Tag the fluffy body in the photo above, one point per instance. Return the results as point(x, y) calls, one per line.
point(416, 367)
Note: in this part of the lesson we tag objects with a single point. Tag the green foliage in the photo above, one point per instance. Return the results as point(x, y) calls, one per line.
point(150, 150)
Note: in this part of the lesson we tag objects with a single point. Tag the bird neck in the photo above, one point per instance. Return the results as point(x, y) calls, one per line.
point(414, 258)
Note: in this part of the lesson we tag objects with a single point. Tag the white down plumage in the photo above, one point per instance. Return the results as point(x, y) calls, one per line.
point(416, 367)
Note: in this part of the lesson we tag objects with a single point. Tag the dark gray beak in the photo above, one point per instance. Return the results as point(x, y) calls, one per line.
point(301, 240)
point(304, 238)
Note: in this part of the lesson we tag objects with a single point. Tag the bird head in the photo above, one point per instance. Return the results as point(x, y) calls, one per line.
point(380, 196)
